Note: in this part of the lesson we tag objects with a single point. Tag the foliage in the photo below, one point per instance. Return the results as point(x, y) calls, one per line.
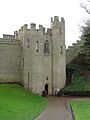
point(81, 110)
point(79, 86)
point(83, 50)
point(85, 38)
point(16, 103)
point(88, 67)
point(72, 67)
point(85, 6)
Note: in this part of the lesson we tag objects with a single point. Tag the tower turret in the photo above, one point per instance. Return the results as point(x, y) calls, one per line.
point(58, 53)
point(33, 26)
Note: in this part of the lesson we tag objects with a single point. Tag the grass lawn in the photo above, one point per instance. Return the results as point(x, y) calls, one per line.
point(81, 110)
point(16, 103)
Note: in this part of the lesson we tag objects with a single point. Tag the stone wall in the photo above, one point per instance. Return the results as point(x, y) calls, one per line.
point(10, 52)
point(72, 51)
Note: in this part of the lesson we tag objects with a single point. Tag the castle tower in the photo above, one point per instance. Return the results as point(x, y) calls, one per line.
point(43, 56)
point(58, 54)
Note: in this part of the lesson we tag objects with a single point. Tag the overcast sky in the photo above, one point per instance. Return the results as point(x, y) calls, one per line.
point(15, 13)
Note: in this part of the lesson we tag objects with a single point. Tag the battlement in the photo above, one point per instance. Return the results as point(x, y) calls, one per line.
point(70, 47)
point(33, 26)
point(16, 34)
point(6, 36)
point(49, 31)
point(56, 22)
point(71, 51)
point(56, 19)
point(9, 41)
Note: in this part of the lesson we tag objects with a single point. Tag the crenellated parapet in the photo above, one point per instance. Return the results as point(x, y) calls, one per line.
point(72, 51)
point(6, 36)
point(25, 30)
point(16, 34)
point(33, 26)
point(49, 31)
point(55, 22)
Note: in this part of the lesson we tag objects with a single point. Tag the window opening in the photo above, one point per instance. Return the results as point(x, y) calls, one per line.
point(46, 46)
point(47, 78)
point(61, 49)
point(37, 46)
point(28, 78)
point(28, 43)
point(23, 63)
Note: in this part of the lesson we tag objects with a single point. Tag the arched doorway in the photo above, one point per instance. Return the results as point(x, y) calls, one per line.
point(46, 88)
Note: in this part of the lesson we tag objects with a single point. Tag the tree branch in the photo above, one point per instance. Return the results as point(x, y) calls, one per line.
point(85, 7)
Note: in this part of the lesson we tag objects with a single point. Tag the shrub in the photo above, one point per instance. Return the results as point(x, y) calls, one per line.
point(79, 86)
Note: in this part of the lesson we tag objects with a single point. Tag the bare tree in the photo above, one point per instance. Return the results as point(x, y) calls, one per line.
point(85, 6)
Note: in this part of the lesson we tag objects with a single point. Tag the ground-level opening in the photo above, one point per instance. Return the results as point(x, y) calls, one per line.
point(45, 92)
point(46, 88)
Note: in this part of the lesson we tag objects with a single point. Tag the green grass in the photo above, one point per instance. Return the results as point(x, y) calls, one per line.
point(16, 103)
point(81, 110)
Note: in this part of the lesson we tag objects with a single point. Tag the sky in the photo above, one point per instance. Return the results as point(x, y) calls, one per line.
point(16, 13)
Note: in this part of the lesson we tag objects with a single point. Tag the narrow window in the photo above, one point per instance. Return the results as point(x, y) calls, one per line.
point(28, 43)
point(46, 78)
point(28, 78)
point(61, 49)
point(46, 46)
point(37, 46)
point(23, 63)
point(60, 30)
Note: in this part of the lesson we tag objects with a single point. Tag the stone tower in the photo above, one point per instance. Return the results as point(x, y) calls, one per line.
point(58, 53)
point(44, 57)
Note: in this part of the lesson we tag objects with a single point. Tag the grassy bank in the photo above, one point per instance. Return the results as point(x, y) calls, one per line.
point(16, 103)
point(81, 110)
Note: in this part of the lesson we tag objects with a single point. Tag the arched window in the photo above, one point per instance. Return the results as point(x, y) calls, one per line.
point(46, 46)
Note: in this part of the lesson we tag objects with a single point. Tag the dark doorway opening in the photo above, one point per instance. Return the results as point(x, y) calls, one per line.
point(46, 88)
point(45, 92)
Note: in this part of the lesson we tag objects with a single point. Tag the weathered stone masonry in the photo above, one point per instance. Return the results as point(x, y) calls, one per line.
point(35, 57)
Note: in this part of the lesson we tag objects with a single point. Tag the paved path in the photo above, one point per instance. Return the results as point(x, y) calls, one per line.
point(58, 109)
